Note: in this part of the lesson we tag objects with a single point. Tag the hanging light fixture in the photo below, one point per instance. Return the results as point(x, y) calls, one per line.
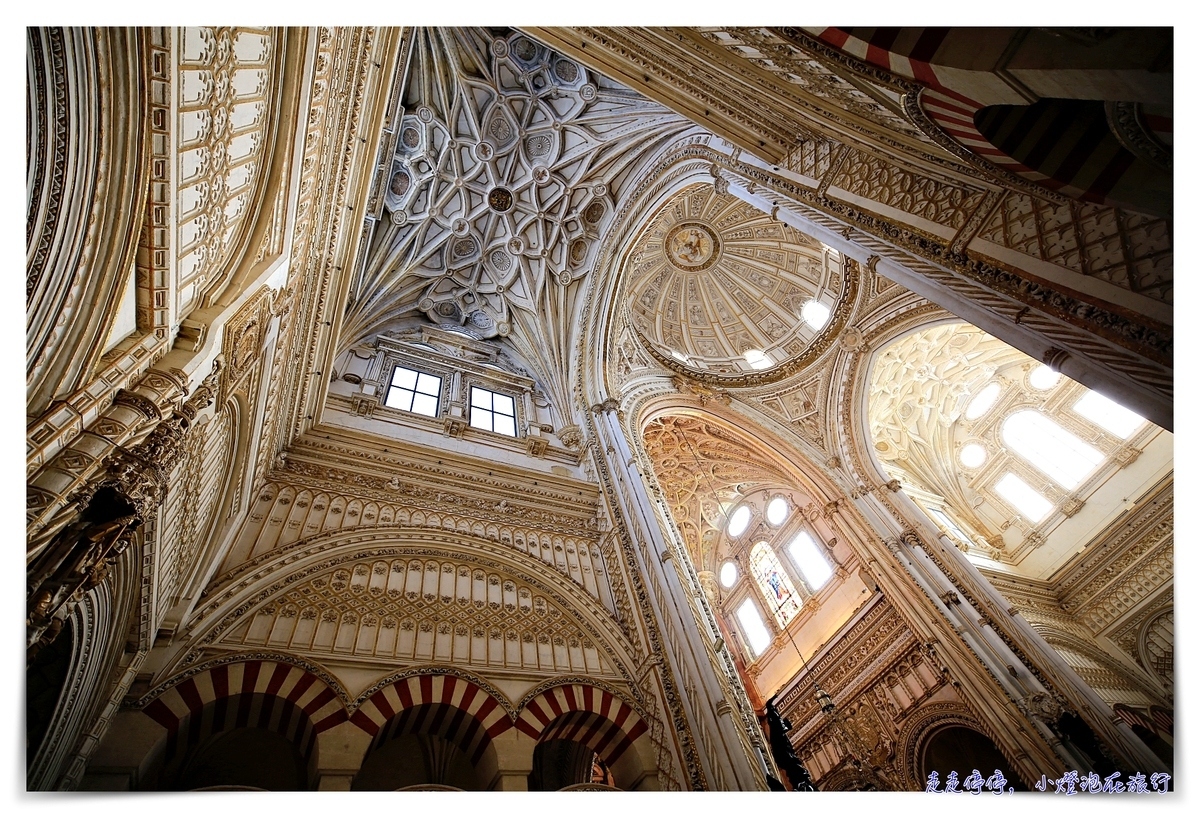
point(824, 701)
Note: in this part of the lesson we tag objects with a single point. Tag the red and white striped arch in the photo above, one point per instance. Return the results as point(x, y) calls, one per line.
point(290, 700)
point(439, 704)
point(953, 112)
point(293, 684)
point(591, 716)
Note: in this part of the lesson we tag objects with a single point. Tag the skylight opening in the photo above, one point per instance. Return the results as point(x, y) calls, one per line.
point(729, 574)
point(1108, 414)
point(777, 511)
point(815, 314)
point(810, 560)
point(979, 405)
point(752, 626)
point(1028, 502)
point(1044, 378)
point(1050, 448)
point(738, 521)
point(757, 359)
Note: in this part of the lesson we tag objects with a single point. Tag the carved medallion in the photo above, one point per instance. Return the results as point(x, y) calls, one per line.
point(500, 199)
point(692, 246)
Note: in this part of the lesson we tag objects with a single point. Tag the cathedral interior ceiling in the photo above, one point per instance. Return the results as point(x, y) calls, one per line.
point(518, 188)
point(920, 390)
point(713, 277)
point(703, 472)
point(508, 163)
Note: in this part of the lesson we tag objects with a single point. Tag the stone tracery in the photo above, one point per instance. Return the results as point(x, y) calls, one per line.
point(502, 181)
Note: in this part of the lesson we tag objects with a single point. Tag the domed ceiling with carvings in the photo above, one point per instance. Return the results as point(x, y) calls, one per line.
point(719, 288)
point(500, 179)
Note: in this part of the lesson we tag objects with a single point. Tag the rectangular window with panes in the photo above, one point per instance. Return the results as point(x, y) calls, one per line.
point(493, 411)
point(414, 391)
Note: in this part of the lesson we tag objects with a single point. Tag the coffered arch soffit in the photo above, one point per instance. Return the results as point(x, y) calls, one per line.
point(341, 570)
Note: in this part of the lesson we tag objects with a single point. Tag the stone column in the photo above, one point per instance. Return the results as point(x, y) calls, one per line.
point(514, 761)
point(715, 753)
point(340, 753)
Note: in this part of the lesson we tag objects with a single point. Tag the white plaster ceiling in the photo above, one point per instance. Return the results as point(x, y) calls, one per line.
point(713, 277)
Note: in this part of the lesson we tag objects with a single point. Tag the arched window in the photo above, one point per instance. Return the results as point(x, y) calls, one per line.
point(776, 585)
point(1023, 497)
point(810, 560)
point(752, 626)
point(1049, 447)
point(1108, 414)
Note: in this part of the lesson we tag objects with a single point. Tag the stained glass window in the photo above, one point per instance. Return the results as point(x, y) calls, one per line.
point(776, 586)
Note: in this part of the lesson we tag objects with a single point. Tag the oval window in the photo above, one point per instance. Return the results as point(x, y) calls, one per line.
point(983, 401)
point(738, 521)
point(777, 511)
point(972, 455)
point(815, 314)
point(1043, 378)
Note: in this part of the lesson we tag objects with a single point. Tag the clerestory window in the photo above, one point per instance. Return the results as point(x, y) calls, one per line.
point(414, 391)
point(810, 560)
point(1023, 497)
point(493, 411)
point(1050, 448)
point(1108, 414)
point(752, 626)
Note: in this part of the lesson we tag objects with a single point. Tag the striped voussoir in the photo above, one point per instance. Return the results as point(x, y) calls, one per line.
point(951, 111)
point(1164, 720)
point(582, 713)
point(1132, 717)
point(455, 709)
point(272, 695)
